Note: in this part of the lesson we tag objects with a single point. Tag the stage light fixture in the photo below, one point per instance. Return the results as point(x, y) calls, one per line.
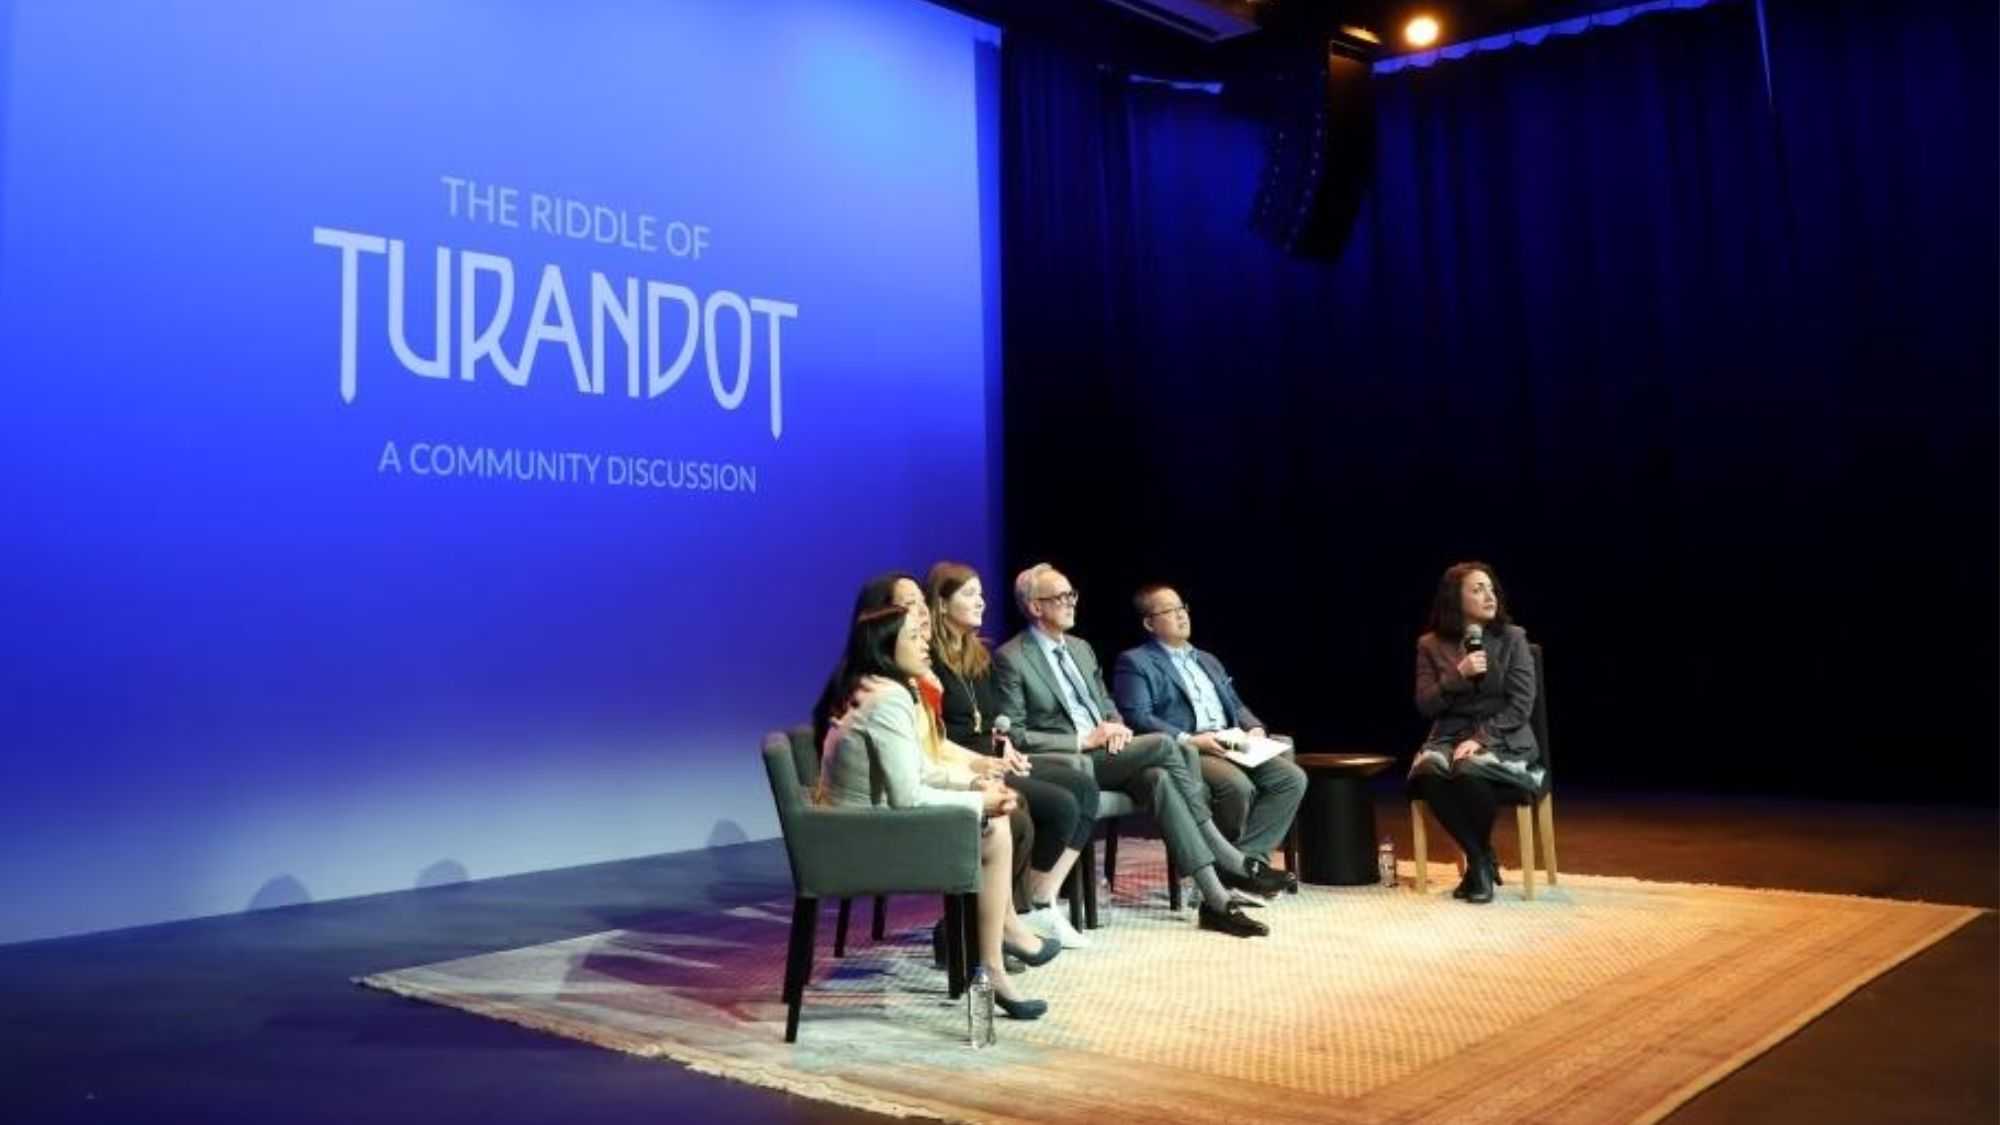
point(1420, 32)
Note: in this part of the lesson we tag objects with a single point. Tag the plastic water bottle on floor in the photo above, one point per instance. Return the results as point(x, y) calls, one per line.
point(1385, 861)
point(979, 1010)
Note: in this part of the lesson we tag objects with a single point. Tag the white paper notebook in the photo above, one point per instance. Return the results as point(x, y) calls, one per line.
point(1249, 752)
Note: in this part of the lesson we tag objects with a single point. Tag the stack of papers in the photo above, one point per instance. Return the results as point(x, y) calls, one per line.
point(1249, 752)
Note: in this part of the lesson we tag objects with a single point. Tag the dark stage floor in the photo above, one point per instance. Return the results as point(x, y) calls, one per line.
point(251, 1017)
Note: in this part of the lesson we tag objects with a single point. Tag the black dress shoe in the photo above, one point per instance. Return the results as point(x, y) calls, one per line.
point(1021, 1009)
point(1230, 920)
point(1035, 959)
point(1258, 879)
point(1493, 868)
point(1290, 879)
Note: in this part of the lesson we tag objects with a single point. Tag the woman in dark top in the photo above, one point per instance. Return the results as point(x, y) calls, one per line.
point(1061, 801)
point(1476, 683)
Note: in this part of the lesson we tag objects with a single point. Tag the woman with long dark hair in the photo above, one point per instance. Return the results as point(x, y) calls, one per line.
point(897, 588)
point(1476, 683)
point(893, 587)
point(886, 656)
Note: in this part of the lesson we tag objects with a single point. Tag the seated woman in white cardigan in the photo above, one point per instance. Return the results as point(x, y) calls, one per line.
point(888, 651)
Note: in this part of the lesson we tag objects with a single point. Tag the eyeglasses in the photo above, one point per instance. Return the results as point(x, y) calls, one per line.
point(1067, 597)
point(1181, 608)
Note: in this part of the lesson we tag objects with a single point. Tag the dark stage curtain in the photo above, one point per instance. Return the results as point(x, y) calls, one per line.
point(1705, 369)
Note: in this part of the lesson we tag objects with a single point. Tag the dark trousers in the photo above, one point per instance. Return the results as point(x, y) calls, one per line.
point(1164, 778)
point(1464, 805)
point(1022, 826)
point(1254, 807)
point(1063, 804)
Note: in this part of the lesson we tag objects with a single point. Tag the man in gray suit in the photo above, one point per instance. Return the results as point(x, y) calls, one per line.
point(1050, 684)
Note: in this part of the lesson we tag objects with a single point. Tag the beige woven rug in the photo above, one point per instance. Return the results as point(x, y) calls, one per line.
point(1604, 1000)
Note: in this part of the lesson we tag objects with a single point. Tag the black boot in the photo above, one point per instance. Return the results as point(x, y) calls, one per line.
point(1477, 857)
point(1474, 859)
point(1478, 883)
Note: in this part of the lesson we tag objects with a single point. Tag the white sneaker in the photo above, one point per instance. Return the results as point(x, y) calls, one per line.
point(1049, 922)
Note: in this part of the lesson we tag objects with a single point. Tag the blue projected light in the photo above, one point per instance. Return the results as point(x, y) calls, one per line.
point(446, 436)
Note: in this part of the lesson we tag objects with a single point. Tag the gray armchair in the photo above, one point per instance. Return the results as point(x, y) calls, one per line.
point(845, 852)
point(1080, 888)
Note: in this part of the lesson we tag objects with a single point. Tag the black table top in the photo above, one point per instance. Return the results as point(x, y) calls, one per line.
point(1355, 764)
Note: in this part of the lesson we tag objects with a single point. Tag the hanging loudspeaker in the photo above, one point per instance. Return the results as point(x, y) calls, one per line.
point(1319, 154)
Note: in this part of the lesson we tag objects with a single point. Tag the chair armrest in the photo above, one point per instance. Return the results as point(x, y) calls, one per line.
point(846, 851)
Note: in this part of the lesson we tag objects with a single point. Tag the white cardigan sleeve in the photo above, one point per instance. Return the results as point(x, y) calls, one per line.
point(908, 776)
point(948, 775)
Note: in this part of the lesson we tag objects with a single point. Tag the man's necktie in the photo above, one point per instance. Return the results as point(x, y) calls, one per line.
point(1075, 678)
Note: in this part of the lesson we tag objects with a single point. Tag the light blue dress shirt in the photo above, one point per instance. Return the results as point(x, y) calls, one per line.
point(1208, 711)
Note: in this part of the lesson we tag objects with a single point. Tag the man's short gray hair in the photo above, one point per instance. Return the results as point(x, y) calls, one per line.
point(1024, 585)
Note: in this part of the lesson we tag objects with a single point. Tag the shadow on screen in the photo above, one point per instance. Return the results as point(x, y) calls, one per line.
point(443, 873)
point(281, 890)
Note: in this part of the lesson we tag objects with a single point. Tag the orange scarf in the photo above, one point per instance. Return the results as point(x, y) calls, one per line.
point(932, 693)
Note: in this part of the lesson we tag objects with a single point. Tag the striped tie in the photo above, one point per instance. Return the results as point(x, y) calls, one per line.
point(1075, 679)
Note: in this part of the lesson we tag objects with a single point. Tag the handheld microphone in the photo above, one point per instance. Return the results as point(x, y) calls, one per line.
point(1001, 725)
point(1475, 641)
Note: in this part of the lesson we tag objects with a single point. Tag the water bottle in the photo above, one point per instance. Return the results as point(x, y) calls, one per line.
point(1385, 861)
point(979, 1010)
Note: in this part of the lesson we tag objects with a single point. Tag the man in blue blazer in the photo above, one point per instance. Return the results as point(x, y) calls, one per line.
point(1169, 687)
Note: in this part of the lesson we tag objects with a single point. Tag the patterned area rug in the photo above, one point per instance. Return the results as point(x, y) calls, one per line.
point(1606, 999)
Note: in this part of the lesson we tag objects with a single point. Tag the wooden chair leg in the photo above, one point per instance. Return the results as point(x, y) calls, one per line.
point(1420, 847)
point(1545, 812)
point(1524, 823)
point(798, 962)
point(1292, 848)
point(881, 929)
point(840, 928)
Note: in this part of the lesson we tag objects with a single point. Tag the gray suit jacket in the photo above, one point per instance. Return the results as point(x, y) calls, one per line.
point(1495, 710)
point(1025, 683)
